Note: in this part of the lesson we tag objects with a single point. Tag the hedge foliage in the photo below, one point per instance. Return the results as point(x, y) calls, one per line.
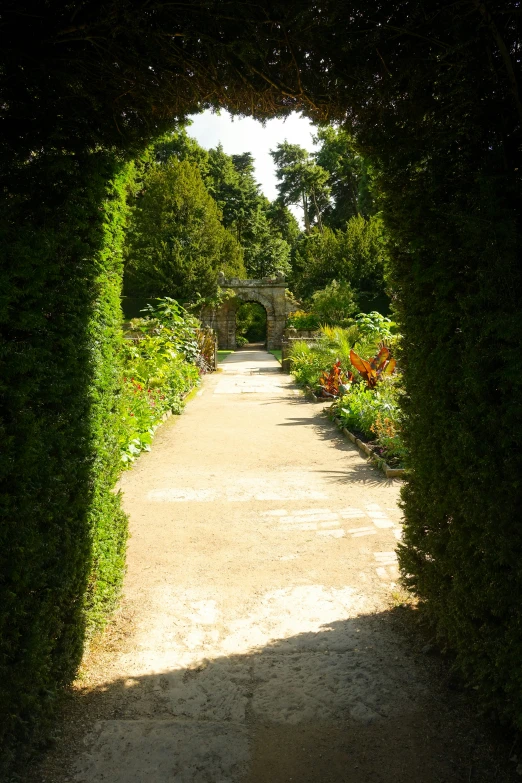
point(432, 92)
point(63, 535)
point(460, 309)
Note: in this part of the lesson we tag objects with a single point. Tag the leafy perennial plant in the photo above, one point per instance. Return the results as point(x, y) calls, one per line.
point(366, 391)
point(375, 415)
point(162, 361)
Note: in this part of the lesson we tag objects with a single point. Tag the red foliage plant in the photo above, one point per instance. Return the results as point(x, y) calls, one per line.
point(373, 370)
point(330, 382)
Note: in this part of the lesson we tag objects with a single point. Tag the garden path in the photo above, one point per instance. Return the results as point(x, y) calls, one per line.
point(256, 642)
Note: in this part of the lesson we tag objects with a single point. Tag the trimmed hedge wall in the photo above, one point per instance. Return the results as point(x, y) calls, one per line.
point(460, 306)
point(433, 92)
point(453, 206)
point(63, 536)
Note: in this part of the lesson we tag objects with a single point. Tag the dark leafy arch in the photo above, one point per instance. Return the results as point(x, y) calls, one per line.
point(431, 92)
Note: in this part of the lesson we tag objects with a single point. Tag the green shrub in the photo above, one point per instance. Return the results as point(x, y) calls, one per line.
point(340, 342)
point(309, 360)
point(162, 363)
point(376, 414)
point(375, 326)
point(334, 304)
point(462, 547)
point(143, 406)
point(355, 254)
point(358, 409)
point(63, 533)
point(387, 428)
point(303, 320)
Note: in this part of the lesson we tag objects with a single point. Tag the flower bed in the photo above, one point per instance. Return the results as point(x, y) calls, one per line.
point(365, 392)
point(163, 360)
point(374, 417)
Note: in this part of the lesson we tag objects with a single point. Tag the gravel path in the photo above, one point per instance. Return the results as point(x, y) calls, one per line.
point(256, 642)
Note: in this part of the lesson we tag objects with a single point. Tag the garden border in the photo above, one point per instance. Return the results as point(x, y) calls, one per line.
point(361, 445)
point(184, 398)
point(377, 461)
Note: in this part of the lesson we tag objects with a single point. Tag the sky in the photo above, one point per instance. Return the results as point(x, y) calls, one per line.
point(243, 134)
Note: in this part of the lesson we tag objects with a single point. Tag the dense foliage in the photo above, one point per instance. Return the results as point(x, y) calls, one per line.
point(302, 182)
point(162, 361)
point(375, 416)
point(196, 212)
point(250, 323)
point(431, 91)
point(344, 238)
point(350, 177)
point(368, 407)
point(303, 320)
point(264, 230)
point(311, 358)
point(63, 533)
point(176, 243)
point(335, 304)
point(355, 255)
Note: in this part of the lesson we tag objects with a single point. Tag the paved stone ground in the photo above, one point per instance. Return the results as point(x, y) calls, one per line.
point(255, 642)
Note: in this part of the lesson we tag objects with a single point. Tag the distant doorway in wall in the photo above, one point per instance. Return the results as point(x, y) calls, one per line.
point(250, 324)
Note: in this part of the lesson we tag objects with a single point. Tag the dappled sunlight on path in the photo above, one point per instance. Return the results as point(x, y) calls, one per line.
point(256, 643)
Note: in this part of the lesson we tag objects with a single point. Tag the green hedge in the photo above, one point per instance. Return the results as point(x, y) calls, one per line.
point(63, 535)
point(442, 125)
point(433, 93)
point(462, 324)
point(454, 212)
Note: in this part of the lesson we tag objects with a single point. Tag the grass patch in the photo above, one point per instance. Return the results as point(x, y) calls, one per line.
point(277, 354)
point(223, 355)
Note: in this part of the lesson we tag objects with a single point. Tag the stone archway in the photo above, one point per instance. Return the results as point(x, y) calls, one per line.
point(268, 292)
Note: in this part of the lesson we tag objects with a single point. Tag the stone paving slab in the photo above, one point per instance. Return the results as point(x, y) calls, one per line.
point(152, 751)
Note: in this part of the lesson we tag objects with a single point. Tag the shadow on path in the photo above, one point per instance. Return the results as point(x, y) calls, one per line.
point(351, 703)
point(360, 471)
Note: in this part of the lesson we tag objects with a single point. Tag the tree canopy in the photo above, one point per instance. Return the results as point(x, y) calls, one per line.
point(349, 176)
point(301, 181)
point(176, 243)
point(190, 221)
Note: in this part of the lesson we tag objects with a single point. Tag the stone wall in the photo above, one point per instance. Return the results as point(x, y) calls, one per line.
point(268, 292)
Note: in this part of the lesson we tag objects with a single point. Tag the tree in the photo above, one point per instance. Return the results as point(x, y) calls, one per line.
point(244, 165)
point(335, 303)
point(283, 222)
point(350, 176)
point(178, 144)
point(315, 262)
point(266, 252)
point(362, 258)
point(355, 255)
point(176, 243)
point(246, 213)
point(301, 181)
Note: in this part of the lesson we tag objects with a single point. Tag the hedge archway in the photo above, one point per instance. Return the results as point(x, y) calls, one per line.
point(432, 93)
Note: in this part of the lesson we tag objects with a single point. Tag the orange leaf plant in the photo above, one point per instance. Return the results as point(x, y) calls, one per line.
point(331, 381)
point(373, 370)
